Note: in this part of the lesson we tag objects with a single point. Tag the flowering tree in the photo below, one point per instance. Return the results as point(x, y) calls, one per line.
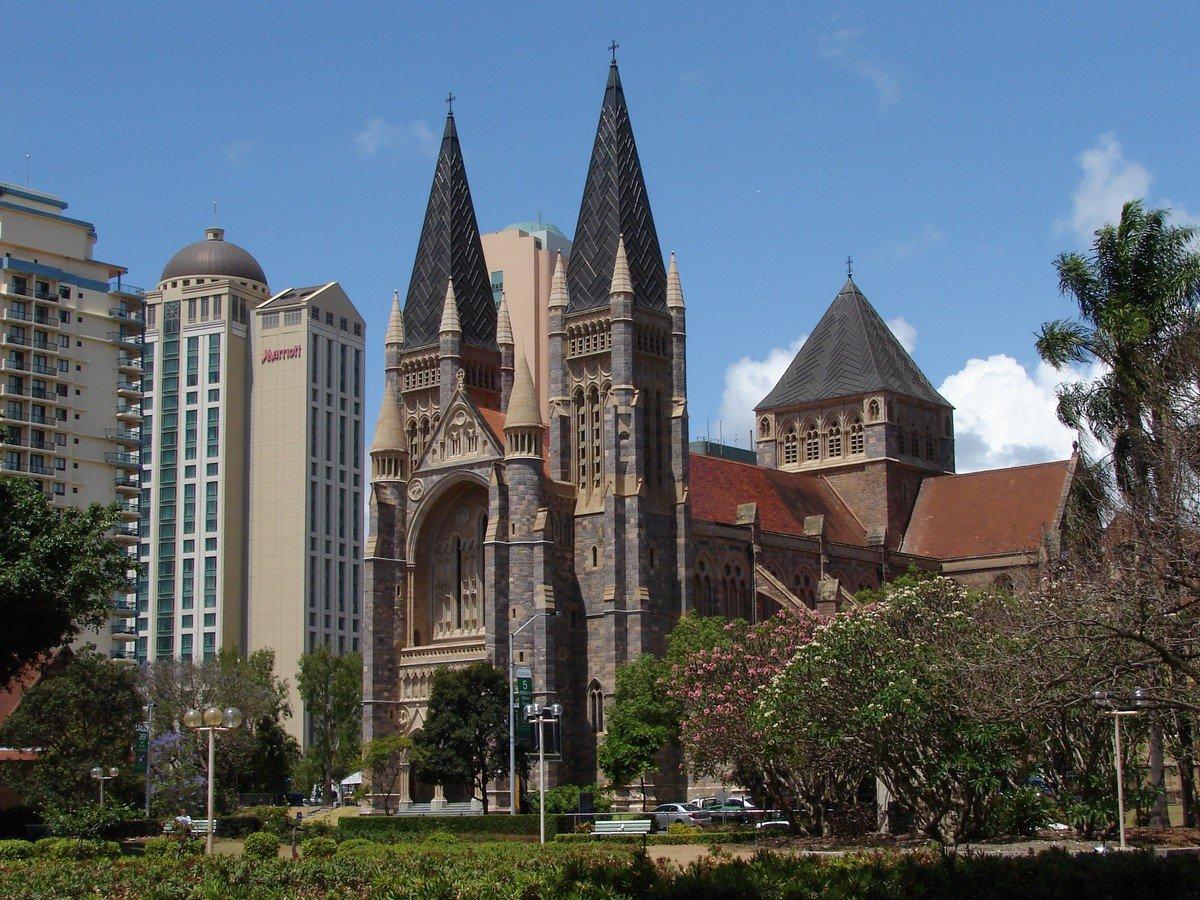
point(725, 734)
point(882, 687)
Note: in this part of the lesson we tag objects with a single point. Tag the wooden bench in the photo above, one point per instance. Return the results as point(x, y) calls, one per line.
point(622, 826)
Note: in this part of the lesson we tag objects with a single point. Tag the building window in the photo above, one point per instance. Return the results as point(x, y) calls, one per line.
point(856, 437)
point(271, 320)
point(791, 452)
point(596, 707)
point(812, 443)
point(291, 317)
point(833, 445)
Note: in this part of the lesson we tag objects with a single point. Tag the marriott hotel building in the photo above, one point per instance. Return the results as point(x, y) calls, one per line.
point(252, 481)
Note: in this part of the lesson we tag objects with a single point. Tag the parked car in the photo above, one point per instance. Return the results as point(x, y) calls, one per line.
point(734, 809)
point(687, 813)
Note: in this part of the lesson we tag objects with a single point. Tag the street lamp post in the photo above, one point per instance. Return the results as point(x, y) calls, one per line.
point(212, 720)
point(542, 716)
point(103, 775)
point(1119, 707)
point(512, 716)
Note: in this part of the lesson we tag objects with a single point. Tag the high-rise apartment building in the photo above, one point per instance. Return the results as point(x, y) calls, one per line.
point(252, 463)
point(520, 261)
point(70, 372)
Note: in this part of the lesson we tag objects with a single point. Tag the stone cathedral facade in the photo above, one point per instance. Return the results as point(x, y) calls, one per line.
point(482, 515)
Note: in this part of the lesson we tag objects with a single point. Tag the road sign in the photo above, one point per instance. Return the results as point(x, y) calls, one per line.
point(141, 750)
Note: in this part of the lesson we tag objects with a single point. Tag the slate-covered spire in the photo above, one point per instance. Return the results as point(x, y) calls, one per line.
point(450, 249)
point(615, 205)
point(851, 351)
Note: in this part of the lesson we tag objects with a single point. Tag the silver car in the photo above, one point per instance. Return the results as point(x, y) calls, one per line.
point(686, 813)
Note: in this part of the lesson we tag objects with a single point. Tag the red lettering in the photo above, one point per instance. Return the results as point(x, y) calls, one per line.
point(270, 356)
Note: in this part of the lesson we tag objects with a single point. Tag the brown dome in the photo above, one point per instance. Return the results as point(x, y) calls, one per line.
point(214, 256)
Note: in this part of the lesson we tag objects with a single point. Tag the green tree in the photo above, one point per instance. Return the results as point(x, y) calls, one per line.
point(59, 569)
point(331, 688)
point(81, 717)
point(255, 758)
point(631, 749)
point(465, 735)
point(386, 759)
point(1137, 293)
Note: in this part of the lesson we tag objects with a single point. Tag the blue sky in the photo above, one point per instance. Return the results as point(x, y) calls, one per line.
point(952, 149)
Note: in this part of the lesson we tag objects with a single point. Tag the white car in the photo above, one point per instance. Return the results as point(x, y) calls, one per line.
point(687, 813)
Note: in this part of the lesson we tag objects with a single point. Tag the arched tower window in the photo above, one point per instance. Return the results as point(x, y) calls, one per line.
point(595, 703)
point(764, 427)
point(857, 444)
point(413, 447)
point(873, 410)
point(581, 441)
point(928, 444)
point(791, 451)
point(812, 443)
point(833, 440)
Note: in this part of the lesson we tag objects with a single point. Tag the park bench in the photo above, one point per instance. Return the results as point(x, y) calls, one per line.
point(622, 826)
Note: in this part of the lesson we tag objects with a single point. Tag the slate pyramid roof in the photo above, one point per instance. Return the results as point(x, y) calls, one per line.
point(851, 351)
point(450, 248)
point(615, 205)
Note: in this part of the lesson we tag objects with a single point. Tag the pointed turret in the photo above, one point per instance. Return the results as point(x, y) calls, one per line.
point(395, 329)
point(388, 450)
point(674, 289)
point(450, 249)
point(615, 205)
point(504, 333)
point(504, 338)
point(523, 420)
point(450, 323)
point(621, 283)
point(560, 297)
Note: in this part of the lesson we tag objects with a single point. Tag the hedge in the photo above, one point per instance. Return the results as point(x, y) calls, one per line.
point(665, 840)
point(389, 828)
point(509, 871)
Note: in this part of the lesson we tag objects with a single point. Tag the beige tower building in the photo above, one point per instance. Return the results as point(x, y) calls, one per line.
point(252, 463)
point(520, 261)
point(70, 372)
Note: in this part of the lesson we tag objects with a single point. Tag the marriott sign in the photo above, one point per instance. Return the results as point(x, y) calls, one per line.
point(270, 356)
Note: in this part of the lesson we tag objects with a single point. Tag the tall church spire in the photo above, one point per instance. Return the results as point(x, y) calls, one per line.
point(395, 329)
point(450, 250)
point(615, 205)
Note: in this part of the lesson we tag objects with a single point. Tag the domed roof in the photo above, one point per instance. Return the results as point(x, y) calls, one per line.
point(535, 227)
point(214, 256)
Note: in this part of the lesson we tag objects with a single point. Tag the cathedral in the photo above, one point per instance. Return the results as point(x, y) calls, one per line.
point(594, 531)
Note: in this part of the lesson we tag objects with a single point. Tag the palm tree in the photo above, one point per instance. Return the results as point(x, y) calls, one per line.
point(1137, 292)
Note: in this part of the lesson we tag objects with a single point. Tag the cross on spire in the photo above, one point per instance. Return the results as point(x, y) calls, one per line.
point(613, 49)
point(450, 98)
point(849, 267)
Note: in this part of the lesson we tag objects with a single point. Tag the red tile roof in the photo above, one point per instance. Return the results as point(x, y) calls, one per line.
point(783, 498)
point(494, 420)
point(987, 513)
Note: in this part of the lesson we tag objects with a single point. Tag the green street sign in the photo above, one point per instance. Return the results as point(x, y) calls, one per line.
point(525, 737)
point(141, 750)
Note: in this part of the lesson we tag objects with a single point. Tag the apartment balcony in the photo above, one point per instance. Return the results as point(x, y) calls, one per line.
point(46, 296)
point(14, 391)
point(127, 315)
point(126, 533)
point(45, 345)
point(123, 630)
point(129, 365)
point(128, 412)
point(12, 337)
point(8, 314)
point(129, 389)
point(10, 287)
point(126, 482)
point(129, 510)
point(125, 460)
point(42, 369)
point(124, 436)
point(44, 471)
point(50, 323)
point(129, 656)
point(126, 341)
point(130, 291)
point(125, 607)
point(11, 465)
point(11, 437)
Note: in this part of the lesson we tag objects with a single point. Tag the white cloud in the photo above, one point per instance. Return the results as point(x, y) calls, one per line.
point(909, 248)
point(905, 332)
point(747, 381)
point(238, 153)
point(379, 134)
point(847, 47)
point(1110, 179)
point(1005, 416)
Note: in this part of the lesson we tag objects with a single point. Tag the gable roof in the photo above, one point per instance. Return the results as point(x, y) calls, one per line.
point(717, 486)
point(450, 248)
point(615, 205)
point(989, 513)
point(851, 351)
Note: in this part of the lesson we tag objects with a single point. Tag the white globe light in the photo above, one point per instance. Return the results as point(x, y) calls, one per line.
point(97, 772)
point(212, 716)
point(232, 717)
point(113, 772)
point(192, 718)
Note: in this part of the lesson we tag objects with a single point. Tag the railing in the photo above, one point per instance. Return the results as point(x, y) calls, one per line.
point(123, 434)
point(12, 465)
point(124, 459)
point(11, 313)
point(45, 296)
point(126, 655)
point(13, 289)
point(125, 606)
point(16, 339)
point(120, 337)
point(39, 469)
point(128, 314)
point(124, 359)
point(128, 481)
point(125, 409)
point(130, 289)
point(129, 386)
point(43, 370)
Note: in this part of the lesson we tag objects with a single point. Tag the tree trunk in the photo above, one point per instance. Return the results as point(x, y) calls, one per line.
point(1187, 770)
point(1158, 812)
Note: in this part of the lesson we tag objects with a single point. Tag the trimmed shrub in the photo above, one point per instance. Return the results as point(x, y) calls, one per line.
point(318, 828)
point(261, 845)
point(1020, 813)
point(356, 847)
point(73, 848)
point(250, 819)
point(387, 829)
point(665, 840)
point(173, 847)
point(15, 849)
point(678, 829)
point(318, 848)
point(441, 837)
